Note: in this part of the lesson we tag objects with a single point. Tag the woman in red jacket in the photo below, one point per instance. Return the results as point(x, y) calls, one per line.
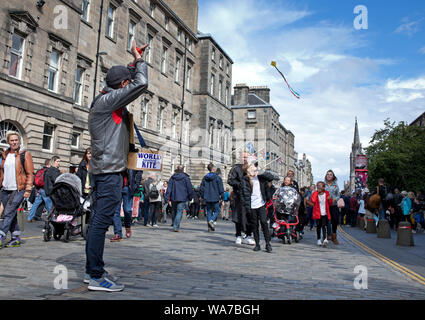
point(321, 201)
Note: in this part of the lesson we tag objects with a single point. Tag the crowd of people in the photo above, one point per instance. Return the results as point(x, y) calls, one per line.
point(121, 195)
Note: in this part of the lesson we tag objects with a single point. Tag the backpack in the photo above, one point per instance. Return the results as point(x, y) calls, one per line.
point(39, 178)
point(154, 193)
point(341, 203)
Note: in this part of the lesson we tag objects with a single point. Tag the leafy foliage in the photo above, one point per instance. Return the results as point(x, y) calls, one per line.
point(397, 154)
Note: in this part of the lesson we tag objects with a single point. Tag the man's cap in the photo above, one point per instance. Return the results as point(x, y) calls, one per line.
point(117, 74)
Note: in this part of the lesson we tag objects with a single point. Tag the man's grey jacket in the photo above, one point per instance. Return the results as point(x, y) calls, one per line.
point(109, 124)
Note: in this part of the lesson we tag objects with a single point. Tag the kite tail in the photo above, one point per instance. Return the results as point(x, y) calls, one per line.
point(295, 94)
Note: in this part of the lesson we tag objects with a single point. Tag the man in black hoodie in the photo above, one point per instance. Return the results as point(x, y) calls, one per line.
point(240, 217)
point(51, 174)
point(179, 193)
point(212, 192)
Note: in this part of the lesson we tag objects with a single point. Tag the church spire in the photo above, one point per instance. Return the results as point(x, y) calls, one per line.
point(356, 135)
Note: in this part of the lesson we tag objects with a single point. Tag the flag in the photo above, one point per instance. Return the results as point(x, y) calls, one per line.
point(294, 93)
point(267, 156)
point(262, 153)
point(279, 161)
point(250, 147)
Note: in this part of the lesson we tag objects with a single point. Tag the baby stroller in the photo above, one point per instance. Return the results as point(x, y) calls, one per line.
point(286, 202)
point(70, 213)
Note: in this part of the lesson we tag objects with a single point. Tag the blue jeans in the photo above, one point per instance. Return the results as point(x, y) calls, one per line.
point(39, 198)
point(127, 203)
point(381, 213)
point(178, 208)
point(10, 221)
point(213, 210)
point(108, 188)
point(310, 217)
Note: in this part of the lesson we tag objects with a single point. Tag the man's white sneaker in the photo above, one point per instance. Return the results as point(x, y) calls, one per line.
point(325, 242)
point(319, 242)
point(249, 241)
point(238, 240)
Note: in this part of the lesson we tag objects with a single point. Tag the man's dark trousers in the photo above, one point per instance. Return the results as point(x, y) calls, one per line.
point(107, 197)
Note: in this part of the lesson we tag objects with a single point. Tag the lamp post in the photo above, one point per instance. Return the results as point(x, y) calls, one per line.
point(182, 102)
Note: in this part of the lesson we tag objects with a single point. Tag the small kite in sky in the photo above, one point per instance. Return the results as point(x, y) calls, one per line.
point(296, 95)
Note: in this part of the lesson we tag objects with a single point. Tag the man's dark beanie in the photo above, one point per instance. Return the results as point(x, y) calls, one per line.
point(117, 74)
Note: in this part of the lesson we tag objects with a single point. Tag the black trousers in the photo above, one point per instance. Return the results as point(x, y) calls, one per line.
point(322, 225)
point(334, 211)
point(260, 215)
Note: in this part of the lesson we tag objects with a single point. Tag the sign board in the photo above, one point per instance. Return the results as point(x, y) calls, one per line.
point(361, 162)
point(145, 160)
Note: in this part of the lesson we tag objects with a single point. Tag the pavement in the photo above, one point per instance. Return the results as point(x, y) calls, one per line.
point(158, 264)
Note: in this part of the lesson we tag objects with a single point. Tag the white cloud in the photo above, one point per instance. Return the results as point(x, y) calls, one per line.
point(409, 28)
point(422, 50)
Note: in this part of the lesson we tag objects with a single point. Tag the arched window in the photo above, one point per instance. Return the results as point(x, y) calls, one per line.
point(6, 126)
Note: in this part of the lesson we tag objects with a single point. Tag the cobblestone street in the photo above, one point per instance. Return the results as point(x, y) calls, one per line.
point(194, 264)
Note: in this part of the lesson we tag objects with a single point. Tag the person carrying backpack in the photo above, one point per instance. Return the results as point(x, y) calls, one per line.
point(40, 194)
point(154, 200)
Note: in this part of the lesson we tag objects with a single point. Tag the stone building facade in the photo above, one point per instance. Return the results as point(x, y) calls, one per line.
point(47, 77)
point(256, 120)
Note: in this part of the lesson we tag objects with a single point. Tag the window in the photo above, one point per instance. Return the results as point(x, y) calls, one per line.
point(149, 51)
point(16, 56)
point(212, 84)
point(189, 76)
point(159, 121)
point(75, 140)
point(48, 133)
point(227, 68)
point(189, 46)
point(144, 112)
point(177, 70)
point(220, 88)
point(186, 130)
point(152, 9)
point(179, 35)
point(251, 114)
point(167, 21)
point(54, 70)
point(164, 60)
point(226, 97)
point(110, 22)
point(172, 165)
point(78, 85)
point(221, 62)
point(85, 8)
point(211, 132)
point(131, 27)
point(174, 125)
point(6, 126)
point(213, 54)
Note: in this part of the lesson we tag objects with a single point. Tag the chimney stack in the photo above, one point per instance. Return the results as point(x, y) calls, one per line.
point(262, 91)
point(241, 94)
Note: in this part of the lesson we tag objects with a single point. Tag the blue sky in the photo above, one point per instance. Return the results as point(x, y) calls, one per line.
point(340, 72)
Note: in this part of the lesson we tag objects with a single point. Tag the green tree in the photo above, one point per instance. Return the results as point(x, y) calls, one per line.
point(397, 154)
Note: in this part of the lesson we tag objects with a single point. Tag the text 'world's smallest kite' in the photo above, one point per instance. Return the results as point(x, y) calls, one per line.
point(296, 95)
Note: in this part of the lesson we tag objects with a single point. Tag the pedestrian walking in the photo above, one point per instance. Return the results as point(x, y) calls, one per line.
point(51, 175)
point(154, 188)
point(309, 208)
point(384, 193)
point(40, 194)
point(212, 192)
point(226, 204)
point(195, 204)
point(332, 187)
point(131, 180)
point(109, 130)
point(240, 216)
point(294, 184)
point(16, 181)
point(84, 173)
point(179, 193)
point(354, 207)
point(321, 201)
point(256, 194)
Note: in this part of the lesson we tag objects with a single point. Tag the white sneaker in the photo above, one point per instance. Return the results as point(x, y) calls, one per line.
point(413, 231)
point(215, 223)
point(325, 242)
point(249, 241)
point(238, 240)
point(319, 242)
point(155, 225)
